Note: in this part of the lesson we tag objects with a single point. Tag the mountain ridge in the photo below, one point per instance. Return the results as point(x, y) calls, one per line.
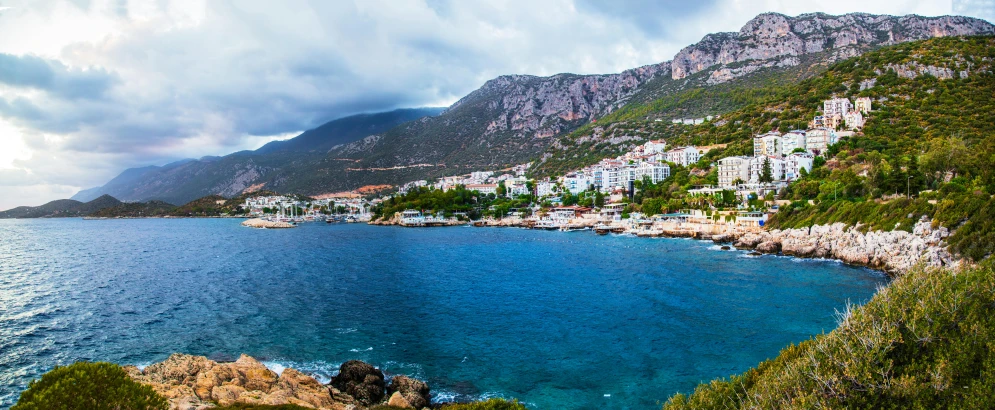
point(514, 119)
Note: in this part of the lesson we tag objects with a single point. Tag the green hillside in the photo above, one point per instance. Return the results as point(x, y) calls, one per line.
point(926, 341)
point(929, 136)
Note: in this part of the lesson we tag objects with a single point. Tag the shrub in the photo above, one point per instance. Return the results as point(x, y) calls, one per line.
point(91, 386)
point(926, 341)
point(492, 404)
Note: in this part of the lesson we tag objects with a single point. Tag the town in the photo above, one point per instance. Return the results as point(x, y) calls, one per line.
point(599, 197)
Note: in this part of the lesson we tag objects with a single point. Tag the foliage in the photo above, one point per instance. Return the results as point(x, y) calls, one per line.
point(926, 341)
point(492, 404)
point(85, 385)
point(430, 200)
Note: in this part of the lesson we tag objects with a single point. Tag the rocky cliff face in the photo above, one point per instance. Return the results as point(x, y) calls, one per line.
point(776, 39)
point(545, 106)
point(894, 252)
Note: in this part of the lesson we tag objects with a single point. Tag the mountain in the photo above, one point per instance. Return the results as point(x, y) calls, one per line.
point(557, 121)
point(61, 208)
point(185, 180)
point(348, 129)
point(121, 184)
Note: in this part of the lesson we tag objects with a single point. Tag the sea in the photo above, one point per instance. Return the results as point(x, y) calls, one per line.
point(556, 320)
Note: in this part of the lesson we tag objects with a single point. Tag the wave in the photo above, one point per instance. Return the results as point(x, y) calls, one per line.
point(368, 349)
point(322, 371)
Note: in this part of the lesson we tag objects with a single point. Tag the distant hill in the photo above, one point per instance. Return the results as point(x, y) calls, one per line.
point(120, 186)
point(136, 210)
point(230, 175)
point(61, 208)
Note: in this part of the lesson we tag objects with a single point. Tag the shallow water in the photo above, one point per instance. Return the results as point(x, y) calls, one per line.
point(557, 320)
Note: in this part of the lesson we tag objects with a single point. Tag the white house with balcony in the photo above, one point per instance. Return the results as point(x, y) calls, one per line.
point(795, 162)
point(655, 171)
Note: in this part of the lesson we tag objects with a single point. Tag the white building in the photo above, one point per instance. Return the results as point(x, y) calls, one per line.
point(818, 139)
point(854, 120)
point(577, 182)
point(836, 106)
point(483, 188)
point(792, 140)
point(480, 175)
point(769, 144)
point(655, 171)
point(545, 188)
point(794, 163)
point(655, 147)
point(684, 156)
point(733, 168)
point(862, 104)
point(757, 168)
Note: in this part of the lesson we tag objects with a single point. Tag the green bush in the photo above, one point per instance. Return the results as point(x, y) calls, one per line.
point(492, 404)
point(926, 341)
point(91, 386)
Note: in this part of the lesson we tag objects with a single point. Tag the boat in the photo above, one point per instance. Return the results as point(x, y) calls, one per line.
point(546, 225)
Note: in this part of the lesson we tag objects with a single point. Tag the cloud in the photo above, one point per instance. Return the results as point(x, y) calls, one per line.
point(93, 87)
point(54, 77)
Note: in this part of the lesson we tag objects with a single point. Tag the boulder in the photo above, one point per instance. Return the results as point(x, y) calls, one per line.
point(769, 247)
point(362, 381)
point(415, 392)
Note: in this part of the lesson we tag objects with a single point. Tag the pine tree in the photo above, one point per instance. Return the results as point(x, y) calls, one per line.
point(766, 176)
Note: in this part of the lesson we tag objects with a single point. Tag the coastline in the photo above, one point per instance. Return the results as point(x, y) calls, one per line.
point(892, 252)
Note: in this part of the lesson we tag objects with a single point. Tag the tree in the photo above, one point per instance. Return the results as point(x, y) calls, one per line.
point(765, 175)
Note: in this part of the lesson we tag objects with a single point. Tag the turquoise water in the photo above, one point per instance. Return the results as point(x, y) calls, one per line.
point(557, 320)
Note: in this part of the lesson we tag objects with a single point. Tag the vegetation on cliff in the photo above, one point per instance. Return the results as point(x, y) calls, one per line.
point(926, 341)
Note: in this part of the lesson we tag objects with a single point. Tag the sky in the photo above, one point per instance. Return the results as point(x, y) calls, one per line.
point(89, 88)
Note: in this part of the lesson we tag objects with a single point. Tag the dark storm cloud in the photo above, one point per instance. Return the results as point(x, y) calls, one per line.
point(54, 77)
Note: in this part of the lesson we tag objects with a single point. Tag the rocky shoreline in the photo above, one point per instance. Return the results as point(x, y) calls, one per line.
point(894, 252)
point(196, 383)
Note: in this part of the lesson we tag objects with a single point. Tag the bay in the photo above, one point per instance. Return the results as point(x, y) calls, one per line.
point(556, 320)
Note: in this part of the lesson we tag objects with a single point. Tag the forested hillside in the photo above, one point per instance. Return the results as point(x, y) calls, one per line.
point(929, 136)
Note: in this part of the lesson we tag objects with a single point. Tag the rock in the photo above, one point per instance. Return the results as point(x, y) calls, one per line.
point(262, 223)
point(773, 39)
point(304, 389)
point(769, 247)
point(397, 400)
point(725, 247)
point(195, 382)
point(413, 391)
point(362, 381)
